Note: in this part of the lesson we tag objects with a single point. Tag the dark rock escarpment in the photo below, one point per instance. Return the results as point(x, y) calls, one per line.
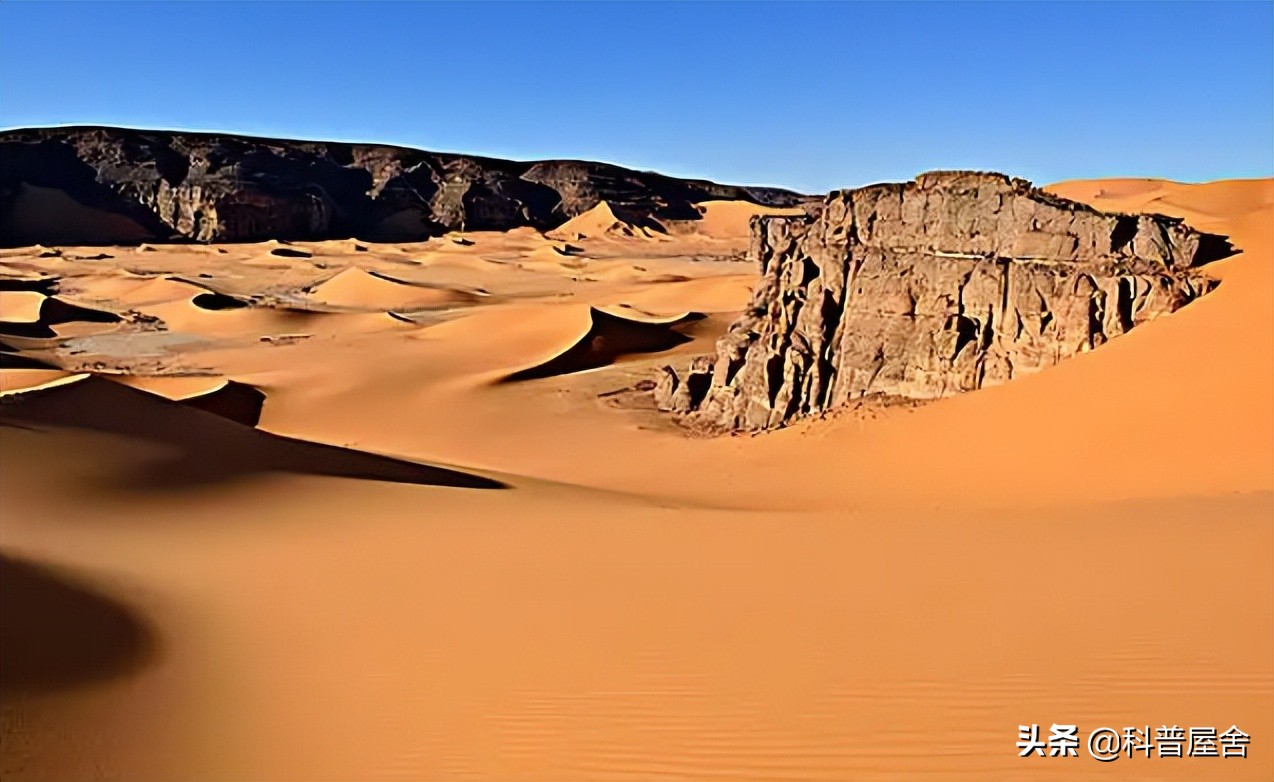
point(952, 282)
point(92, 185)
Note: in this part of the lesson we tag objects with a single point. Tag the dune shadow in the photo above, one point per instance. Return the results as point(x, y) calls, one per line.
point(290, 252)
point(608, 338)
point(56, 632)
point(54, 312)
point(33, 330)
point(12, 359)
point(45, 285)
point(208, 446)
point(236, 401)
point(217, 301)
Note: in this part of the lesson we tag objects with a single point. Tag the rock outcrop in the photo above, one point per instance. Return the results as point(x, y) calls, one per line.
point(952, 282)
point(93, 185)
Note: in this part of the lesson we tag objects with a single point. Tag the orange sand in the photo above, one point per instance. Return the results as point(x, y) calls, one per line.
point(725, 219)
point(20, 306)
point(885, 594)
point(601, 222)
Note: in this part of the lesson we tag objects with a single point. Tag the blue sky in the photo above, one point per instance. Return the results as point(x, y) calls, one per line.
point(809, 96)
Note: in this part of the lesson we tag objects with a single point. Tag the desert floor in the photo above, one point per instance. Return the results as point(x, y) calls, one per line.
point(461, 543)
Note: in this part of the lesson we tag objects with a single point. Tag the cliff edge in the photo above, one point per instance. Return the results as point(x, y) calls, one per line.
point(921, 290)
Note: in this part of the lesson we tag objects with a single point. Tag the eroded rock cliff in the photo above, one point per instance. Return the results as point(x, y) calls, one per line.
point(952, 282)
point(91, 185)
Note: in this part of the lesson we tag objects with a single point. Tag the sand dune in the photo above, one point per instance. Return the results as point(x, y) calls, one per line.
point(16, 278)
point(18, 379)
point(355, 287)
point(217, 302)
point(20, 306)
point(555, 251)
point(192, 315)
point(174, 387)
point(54, 311)
point(1091, 543)
point(209, 447)
point(719, 293)
point(239, 402)
point(609, 337)
point(12, 345)
point(291, 252)
point(230, 399)
point(602, 222)
point(729, 219)
point(1227, 200)
point(126, 291)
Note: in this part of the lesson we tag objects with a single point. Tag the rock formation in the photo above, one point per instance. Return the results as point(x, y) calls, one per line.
point(952, 282)
point(90, 185)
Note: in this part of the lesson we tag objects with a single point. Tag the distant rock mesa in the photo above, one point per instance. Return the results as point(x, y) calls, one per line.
point(95, 185)
point(949, 283)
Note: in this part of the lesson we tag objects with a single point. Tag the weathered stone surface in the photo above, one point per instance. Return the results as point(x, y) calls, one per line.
point(674, 395)
point(112, 185)
point(952, 282)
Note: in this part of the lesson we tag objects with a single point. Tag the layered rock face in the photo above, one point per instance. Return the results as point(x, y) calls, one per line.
point(112, 185)
point(952, 282)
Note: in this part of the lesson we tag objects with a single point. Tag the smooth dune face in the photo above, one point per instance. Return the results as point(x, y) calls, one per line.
point(20, 306)
point(18, 379)
point(356, 288)
point(724, 219)
point(601, 222)
point(414, 568)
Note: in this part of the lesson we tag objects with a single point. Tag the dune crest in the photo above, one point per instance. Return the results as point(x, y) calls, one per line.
point(612, 334)
point(355, 287)
point(21, 380)
point(56, 315)
point(211, 445)
point(606, 222)
point(730, 219)
point(20, 306)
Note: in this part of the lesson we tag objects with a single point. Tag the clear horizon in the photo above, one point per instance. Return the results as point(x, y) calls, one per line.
point(810, 97)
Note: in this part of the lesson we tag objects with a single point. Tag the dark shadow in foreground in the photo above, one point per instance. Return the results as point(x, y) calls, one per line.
point(57, 633)
point(206, 448)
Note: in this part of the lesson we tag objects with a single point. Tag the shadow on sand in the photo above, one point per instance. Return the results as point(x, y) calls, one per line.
point(54, 312)
point(608, 338)
point(236, 401)
point(57, 633)
point(206, 448)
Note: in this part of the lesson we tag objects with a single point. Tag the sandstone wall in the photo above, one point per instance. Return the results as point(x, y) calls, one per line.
point(215, 187)
point(952, 282)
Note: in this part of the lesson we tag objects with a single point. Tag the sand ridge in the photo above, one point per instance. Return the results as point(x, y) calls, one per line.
point(356, 288)
point(21, 306)
point(601, 222)
point(728, 219)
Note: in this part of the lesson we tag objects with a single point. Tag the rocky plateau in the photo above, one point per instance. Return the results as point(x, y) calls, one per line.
point(99, 185)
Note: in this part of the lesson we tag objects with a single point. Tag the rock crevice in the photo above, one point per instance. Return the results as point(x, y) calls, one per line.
point(946, 284)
